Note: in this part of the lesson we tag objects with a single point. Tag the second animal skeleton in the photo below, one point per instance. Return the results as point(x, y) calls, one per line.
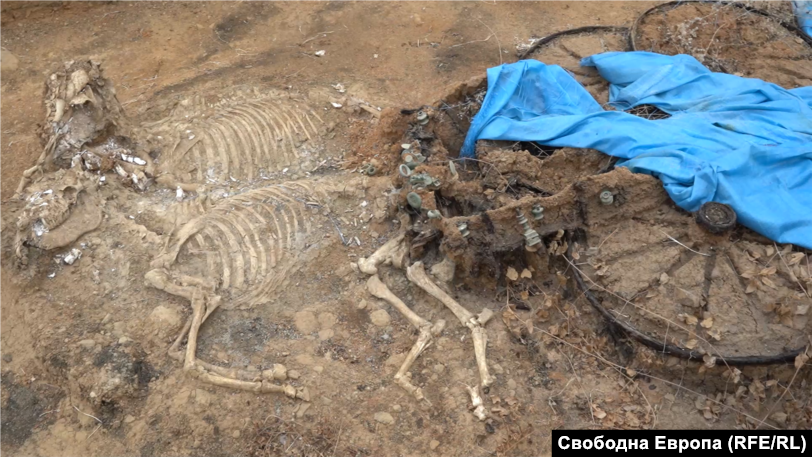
point(394, 252)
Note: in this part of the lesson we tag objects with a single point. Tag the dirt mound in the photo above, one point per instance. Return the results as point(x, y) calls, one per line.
point(732, 296)
point(730, 38)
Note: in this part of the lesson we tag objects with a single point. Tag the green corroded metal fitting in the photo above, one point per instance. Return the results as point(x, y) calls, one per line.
point(414, 200)
point(368, 169)
point(421, 180)
point(463, 228)
point(531, 236)
point(607, 198)
point(537, 212)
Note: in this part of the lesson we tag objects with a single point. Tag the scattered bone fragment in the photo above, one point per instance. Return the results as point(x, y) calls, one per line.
point(133, 159)
point(72, 256)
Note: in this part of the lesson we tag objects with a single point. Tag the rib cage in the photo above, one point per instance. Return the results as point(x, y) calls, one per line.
point(184, 211)
point(245, 141)
point(243, 242)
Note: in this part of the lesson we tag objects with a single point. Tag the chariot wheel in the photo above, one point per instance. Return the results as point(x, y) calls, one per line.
point(735, 298)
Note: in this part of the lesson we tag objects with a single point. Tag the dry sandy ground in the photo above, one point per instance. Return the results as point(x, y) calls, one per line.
point(65, 336)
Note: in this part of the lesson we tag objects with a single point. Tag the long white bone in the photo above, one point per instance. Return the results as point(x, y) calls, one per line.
point(203, 303)
point(370, 264)
point(476, 402)
point(417, 274)
point(377, 288)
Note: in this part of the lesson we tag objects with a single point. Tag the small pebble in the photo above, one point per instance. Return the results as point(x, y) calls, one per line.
point(396, 408)
point(7, 358)
point(87, 344)
point(433, 445)
point(384, 418)
point(380, 318)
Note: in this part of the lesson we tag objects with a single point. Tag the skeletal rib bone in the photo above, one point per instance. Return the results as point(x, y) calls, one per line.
point(382, 255)
point(377, 288)
point(417, 274)
point(241, 229)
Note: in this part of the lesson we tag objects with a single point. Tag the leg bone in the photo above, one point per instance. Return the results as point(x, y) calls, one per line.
point(370, 265)
point(476, 402)
point(417, 274)
point(203, 304)
point(402, 377)
point(377, 288)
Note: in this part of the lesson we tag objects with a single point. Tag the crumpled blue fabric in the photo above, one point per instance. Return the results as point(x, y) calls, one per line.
point(803, 14)
point(739, 141)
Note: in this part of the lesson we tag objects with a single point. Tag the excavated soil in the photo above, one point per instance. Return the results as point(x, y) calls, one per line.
point(250, 189)
point(731, 39)
point(568, 50)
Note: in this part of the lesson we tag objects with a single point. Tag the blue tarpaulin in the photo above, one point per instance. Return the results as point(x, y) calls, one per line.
point(803, 13)
point(733, 140)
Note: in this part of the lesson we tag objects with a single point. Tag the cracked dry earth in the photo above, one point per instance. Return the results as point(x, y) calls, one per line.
point(188, 273)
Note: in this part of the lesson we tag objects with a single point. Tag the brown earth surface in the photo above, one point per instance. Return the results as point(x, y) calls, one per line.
point(254, 204)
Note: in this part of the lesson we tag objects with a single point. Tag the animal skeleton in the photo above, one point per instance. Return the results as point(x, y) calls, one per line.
point(416, 273)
